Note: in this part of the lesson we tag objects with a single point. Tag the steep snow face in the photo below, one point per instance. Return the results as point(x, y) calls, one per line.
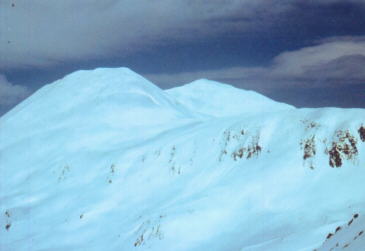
point(221, 100)
point(78, 180)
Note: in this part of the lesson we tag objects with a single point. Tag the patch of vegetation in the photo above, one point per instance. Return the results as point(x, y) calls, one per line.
point(329, 236)
point(64, 173)
point(172, 154)
point(111, 173)
point(175, 169)
point(335, 156)
point(309, 147)
point(353, 218)
point(226, 139)
point(238, 141)
point(239, 153)
point(362, 133)
point(8, 224)
point(344, 147)
point(149, 230)
point(310, 124)
point(359, 234)
point(251, 150)
point(139, 241)
point(254, 149)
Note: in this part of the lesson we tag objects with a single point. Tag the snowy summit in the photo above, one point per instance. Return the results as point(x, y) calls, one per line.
point(106, 160)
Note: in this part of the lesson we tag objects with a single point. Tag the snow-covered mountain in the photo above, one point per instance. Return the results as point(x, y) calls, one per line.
point(105, 160)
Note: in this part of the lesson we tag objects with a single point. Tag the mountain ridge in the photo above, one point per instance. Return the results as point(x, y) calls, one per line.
point(274, 179)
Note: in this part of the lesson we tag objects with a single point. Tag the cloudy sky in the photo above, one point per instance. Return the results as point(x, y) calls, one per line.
point(309, 53)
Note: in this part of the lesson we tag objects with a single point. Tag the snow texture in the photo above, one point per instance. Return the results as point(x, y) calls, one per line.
point(105, 160)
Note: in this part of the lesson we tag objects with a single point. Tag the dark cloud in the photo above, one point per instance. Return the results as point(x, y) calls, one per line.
point(43, 33)
point(36, 33)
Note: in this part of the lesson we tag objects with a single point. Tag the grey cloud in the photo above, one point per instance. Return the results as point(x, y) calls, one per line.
point(332, 63)
point(296, 63)
point(343, 70)
point(341, 38)
point(11, 94)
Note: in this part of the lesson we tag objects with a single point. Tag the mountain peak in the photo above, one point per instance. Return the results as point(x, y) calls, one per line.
point(123, 79)
point(218, 99)
point(115, 98)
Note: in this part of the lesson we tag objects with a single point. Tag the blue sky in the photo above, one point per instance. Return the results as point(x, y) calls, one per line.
point(306, 53)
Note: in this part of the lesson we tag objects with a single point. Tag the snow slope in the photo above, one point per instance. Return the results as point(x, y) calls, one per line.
point(105, 160)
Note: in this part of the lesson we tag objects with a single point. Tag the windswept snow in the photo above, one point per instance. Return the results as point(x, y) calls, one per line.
point(105, 160)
